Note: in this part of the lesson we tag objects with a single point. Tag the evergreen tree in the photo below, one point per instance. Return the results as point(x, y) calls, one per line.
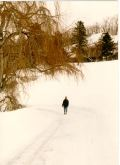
point(79, 38)
point(79, 35)
point(107, 45)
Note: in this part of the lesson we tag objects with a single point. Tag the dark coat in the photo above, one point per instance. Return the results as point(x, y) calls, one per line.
point(65, 103)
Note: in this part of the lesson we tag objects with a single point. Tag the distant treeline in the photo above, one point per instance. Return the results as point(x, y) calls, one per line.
point(109, 25)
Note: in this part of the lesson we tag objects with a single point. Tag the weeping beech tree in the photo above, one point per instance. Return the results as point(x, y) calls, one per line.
point(30, 43)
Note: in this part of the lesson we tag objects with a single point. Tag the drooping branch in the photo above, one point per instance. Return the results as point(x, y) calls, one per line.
point(32, 42)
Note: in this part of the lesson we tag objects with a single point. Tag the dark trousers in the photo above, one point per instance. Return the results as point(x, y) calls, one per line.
point(65, 110)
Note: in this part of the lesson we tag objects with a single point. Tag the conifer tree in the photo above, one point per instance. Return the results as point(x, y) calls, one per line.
point(79, 34)
point(107, 45)
point(79, 38)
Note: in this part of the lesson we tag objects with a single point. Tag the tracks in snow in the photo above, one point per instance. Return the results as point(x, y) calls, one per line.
point(34, 153)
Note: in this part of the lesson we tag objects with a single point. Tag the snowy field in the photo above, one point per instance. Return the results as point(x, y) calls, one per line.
point(41, 135)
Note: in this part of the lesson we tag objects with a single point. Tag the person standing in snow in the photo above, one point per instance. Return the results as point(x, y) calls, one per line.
point(65, 104)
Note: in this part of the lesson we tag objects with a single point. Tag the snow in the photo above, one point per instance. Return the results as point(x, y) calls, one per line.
point(95, 38)
point(41, 135)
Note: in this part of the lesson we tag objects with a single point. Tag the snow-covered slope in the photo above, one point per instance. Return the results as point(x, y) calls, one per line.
point(95, 38)
point(87, 135)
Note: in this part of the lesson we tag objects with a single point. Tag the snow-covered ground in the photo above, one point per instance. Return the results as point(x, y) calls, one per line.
point(94, 38)
point(41, 135)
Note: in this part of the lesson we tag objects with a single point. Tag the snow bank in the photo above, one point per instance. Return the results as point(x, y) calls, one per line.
point(95, 38)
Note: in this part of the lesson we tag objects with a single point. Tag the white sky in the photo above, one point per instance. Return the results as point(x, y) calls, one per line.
point(89, 12)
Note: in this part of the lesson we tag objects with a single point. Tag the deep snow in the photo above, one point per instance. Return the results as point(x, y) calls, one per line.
point(41, 134)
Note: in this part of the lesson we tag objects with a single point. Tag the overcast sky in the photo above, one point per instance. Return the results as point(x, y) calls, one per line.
point(89, 12)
